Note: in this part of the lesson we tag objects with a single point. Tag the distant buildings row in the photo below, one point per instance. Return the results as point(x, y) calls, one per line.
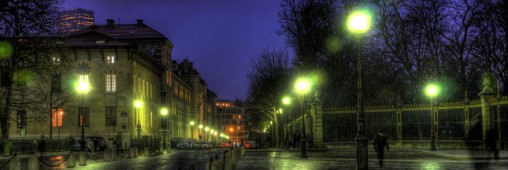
point(131, 78)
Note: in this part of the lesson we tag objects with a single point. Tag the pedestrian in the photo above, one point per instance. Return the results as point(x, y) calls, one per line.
point(474, 143)
point(41, 146)
point(380, 142)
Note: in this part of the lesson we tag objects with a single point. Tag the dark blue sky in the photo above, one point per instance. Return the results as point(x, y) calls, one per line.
point(221, 37)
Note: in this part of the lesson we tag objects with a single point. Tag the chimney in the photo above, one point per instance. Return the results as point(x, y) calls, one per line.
point(110, 22)
point(139, 22)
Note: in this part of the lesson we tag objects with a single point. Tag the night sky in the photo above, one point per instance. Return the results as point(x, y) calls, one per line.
point(221, 37)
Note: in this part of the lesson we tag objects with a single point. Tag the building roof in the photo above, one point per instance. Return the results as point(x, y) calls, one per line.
point(134, 31)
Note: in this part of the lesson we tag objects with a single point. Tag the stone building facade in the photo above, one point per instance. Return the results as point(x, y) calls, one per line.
point(131, 78)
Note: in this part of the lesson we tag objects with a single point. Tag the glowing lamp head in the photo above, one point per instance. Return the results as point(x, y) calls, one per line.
point(192, 123)
point(207, 129)
point(164, 111)
point(359, 21)
point(302, 85)
point(432, 90)
point(286, 100)
point(138, 103)
point(201, 126)
point(83, 87)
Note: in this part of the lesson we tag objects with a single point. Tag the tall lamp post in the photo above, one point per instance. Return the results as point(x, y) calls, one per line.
point(200, 132)
point(358, 23)
point(138, 104)
point(302, 86)
point(164, 113)
point(191, 123)
point(432, 90)
point(286, 101)
point(83, 87)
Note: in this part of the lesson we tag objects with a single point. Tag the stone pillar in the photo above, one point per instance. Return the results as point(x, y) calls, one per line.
point(487, 96)
point(318, 124)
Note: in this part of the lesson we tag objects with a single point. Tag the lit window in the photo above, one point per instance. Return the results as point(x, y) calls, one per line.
point(110, 82)
point(56, 60)
point(57, 116)
point(110, 59)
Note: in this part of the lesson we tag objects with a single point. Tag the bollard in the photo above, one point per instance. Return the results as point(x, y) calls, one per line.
point(113, 154)
point(130, 153)
point(229, 165)
point(233, 156)
point(146, 152)
point(15, 164)
point(135, 153)
point(71, 161)
point(33, 162)
point(208, 164)
point(82, 158)
point(107, 156)
point(216, 165)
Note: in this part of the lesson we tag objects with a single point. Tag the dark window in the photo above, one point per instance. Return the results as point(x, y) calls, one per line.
point(56, 83)
point(83, 116)
point(110, 115)
point(4, 78)
point(21, 118)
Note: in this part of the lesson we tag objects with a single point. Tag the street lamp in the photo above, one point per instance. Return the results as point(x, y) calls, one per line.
point(302, 86)
point(432, 90)
point(286, 101)
point(83, 87)
point(192, 129)
point(358, 23)
point(164, 113)
point(138, 104)
point(205, 134)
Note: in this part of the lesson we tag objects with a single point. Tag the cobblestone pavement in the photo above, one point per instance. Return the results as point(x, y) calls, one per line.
point(346, 160)
point(279, 160)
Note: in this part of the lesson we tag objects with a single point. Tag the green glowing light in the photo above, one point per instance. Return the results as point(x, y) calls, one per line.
point(5, 50)
point(432, 90)
point(164, 111)
point(302, 85)
point(359, 21)
point(286, 100)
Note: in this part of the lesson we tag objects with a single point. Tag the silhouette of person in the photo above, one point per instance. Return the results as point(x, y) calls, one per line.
point(474, 143)
point(380, 142)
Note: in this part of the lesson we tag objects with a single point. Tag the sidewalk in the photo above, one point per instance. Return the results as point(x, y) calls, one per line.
point(463, 154)
point(458, 154)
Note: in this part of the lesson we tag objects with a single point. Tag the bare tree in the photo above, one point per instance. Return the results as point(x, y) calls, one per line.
point(24, 25)
point(268, 82)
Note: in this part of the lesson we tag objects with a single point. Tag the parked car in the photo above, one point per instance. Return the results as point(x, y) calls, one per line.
point(183, 143)
point(98, 143)
point(76, 144)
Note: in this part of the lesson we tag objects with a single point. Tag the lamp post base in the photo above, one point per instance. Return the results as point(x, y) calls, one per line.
point(361, 153)
point(304, 148)
point(432, 143)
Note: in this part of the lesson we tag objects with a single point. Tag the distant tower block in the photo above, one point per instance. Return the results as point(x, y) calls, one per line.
point(74, 20)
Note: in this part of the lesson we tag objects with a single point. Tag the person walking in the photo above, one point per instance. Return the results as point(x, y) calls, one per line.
point(380, 142)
